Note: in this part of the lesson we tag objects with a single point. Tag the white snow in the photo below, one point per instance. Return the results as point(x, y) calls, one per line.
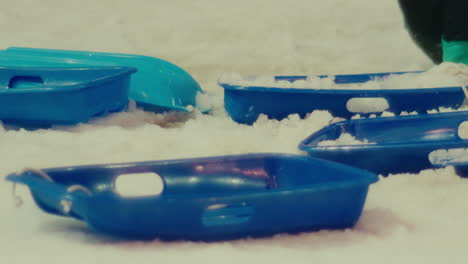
point(443, 75)
point(446, 110)
point(344, 139)
point(444, 156)
point(418, 218)
point(204, 102)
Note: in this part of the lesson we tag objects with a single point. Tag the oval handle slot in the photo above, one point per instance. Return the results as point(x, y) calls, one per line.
point(367, 105)
point(463, 130)
point(139, 184)
point(25, 82)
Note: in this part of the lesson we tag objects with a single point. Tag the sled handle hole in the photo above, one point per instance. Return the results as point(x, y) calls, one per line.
point(367, 105)
point(463, 130)
point(22, 81)
point(139, 184)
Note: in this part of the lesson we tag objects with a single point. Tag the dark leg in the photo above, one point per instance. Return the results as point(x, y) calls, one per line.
point(425, 22)
point(456, 20)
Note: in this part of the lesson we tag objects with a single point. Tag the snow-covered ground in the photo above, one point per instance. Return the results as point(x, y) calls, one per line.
point(419, 218)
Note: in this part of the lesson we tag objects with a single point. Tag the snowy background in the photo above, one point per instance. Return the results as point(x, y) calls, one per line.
point(419, 218)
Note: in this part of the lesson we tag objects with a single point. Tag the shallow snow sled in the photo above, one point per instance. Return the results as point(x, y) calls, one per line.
point(393, 144)
point(246, 100)
point(158, 85)
point(213, 198)
point(61, 96)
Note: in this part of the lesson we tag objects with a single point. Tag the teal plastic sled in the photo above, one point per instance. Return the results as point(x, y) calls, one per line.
point(158, 85)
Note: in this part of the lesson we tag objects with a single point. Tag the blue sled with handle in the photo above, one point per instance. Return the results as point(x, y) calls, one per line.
point(158, 85)
point(215, 198)
point(400, 144)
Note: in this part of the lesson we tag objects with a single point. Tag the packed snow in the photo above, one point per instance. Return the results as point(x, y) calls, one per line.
point(444, 156)
point(444, 75)
point(408, 218)
point(344, 139)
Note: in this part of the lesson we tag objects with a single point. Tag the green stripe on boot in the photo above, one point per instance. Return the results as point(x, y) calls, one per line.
point(455, 51)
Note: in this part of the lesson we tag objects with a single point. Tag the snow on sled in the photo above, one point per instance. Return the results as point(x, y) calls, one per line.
point(393, 144)
point(158, 85)
point(61, 96)
point(215, 198)
point(461, 167)
point(458, 158)
point(245, 98)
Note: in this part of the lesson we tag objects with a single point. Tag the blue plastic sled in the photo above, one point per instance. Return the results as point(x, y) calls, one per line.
point(61, 96)
point(245, 103)
point(215, 198)
point(396, 144)
point(158, 86)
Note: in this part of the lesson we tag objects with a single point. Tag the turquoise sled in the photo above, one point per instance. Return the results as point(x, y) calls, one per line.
point(158, 86)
